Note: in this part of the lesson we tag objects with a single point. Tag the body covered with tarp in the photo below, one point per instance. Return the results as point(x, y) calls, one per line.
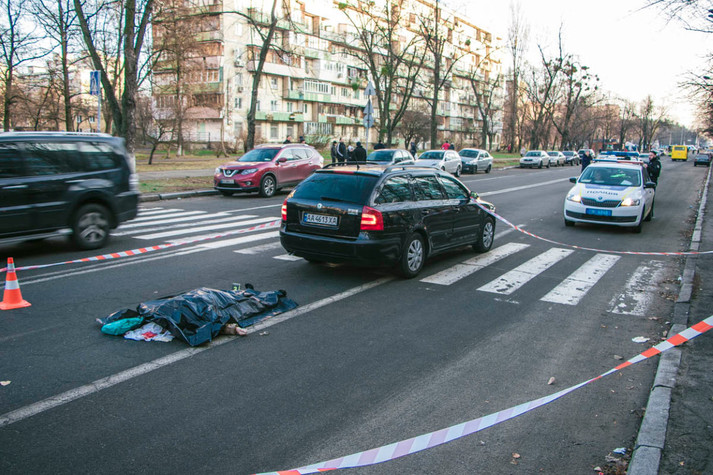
point(198, 315)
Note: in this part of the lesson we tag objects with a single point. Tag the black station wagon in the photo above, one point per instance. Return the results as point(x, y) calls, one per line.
point(393, 217)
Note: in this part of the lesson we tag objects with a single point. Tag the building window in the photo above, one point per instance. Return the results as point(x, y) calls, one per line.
point(257, 106)
point(273, 83)
point(274, 106)
point(289, 107)
point(273, 132)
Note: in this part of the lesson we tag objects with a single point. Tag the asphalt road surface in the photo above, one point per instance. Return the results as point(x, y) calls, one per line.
point(368, 359)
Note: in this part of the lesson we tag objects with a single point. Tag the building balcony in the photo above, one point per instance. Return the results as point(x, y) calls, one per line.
point(279, 116)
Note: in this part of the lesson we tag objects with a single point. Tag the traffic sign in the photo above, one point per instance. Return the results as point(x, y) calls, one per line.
point(94, 84)
point(369, 91)
point(369, 109)
point(368, 121)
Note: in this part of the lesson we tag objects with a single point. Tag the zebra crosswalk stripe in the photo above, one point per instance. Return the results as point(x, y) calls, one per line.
point(635, 299)
point(516, 278)
point(574, 287)
point(471, 266)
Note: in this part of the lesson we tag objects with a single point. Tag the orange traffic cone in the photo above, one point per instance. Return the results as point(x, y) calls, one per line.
point(12, 297)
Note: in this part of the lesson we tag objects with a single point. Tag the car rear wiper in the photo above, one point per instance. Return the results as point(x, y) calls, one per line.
point(330, 198)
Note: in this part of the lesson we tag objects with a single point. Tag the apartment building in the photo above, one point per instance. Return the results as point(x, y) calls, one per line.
point(312, 84)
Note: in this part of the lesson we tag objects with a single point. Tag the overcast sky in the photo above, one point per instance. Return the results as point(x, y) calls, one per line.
point(634, 52)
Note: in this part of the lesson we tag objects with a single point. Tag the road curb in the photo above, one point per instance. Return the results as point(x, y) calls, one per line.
point(651, 439)
point(147, 197)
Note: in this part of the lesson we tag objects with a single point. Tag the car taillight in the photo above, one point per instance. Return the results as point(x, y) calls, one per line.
point(284, 211)
point(371, 220)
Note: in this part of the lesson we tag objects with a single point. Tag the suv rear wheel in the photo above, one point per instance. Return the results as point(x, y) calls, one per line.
point(90, 229)
point(413, 256)
point(268, 186)
point(487, 235)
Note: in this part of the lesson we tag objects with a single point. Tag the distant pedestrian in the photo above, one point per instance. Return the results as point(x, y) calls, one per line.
point(350, 153)
point(523, 151)
point(341, 151)
point(302, 139)
point(333, 152)
point(378, 145)
point(445, 145)
point(288, 139)
point(359, 153)
point(586, 158)
point(451, 146)
point(413, 148)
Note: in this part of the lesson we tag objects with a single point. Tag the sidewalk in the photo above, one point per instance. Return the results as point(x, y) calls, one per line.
point(677, 430)
point(207, 172)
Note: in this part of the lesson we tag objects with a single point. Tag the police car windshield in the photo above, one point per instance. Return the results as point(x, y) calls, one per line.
point(611, 176)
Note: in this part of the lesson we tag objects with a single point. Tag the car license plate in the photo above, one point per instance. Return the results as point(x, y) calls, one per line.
point(599, 212)
point(322, 219)
point(226, 182)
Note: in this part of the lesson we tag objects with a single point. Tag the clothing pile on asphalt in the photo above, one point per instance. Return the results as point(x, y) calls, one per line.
point(196, 316)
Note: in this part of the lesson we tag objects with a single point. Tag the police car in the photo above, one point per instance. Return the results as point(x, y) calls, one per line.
point(615, 192)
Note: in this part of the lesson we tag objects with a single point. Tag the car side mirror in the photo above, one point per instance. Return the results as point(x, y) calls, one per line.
point(650, 184)
point(573, 179)
point(474, 195)
point(281, 160)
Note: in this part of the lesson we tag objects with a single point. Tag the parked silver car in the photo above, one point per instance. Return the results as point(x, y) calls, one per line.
point(474, 160)
point(535, 158)
point(557, 159)
point(447, 160)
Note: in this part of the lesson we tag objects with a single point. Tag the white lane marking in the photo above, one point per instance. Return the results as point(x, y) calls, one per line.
point(516, 278)
point(525, 187)
point(240, 240)
point(230, 219)
point(175, 214)
point(576, 286)
point(177, 232)
point(190, 216)
point(259, 249)
point(473, 265)
point(287, 257)
point(635, 299)
point(157, 211)
point(104, 383)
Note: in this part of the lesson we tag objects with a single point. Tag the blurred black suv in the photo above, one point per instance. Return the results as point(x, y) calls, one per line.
point(374, 216)
point(54, 183)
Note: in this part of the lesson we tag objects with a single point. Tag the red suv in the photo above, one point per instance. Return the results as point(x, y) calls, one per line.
point(267, 168)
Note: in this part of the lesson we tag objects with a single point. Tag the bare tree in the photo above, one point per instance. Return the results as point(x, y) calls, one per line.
point(416, 126)
point(577, 84)
point(650, 118)
point(488, 102)
point(517, 40)
point(437, 32)
point(392, 61)
point(542, 94)
point(134, 22)
point(17, 46)
point(58, 21)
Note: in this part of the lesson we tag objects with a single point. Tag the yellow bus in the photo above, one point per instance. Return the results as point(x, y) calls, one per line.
point(679, 152)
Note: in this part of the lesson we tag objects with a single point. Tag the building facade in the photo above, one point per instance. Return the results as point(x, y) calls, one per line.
point(313, 83)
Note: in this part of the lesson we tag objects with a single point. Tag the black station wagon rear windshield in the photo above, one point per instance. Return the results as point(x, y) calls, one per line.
point(259, 155)
point(431, 155)
point(349, 188)
point(469, 153)
point(381, 156)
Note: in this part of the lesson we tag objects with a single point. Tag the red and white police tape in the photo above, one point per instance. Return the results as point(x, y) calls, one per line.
point(442, 436)
point(574, 246)
point(143, 250)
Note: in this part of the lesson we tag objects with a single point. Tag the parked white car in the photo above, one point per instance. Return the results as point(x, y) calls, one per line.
point(447, 160)
point(535, 158)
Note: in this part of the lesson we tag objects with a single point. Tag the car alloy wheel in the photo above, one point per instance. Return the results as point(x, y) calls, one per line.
point(267, 186)
point(91, 227)
point(487, 236)
point(413, 256)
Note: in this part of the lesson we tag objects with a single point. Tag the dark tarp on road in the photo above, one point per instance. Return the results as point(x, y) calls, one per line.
point(198, 315)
